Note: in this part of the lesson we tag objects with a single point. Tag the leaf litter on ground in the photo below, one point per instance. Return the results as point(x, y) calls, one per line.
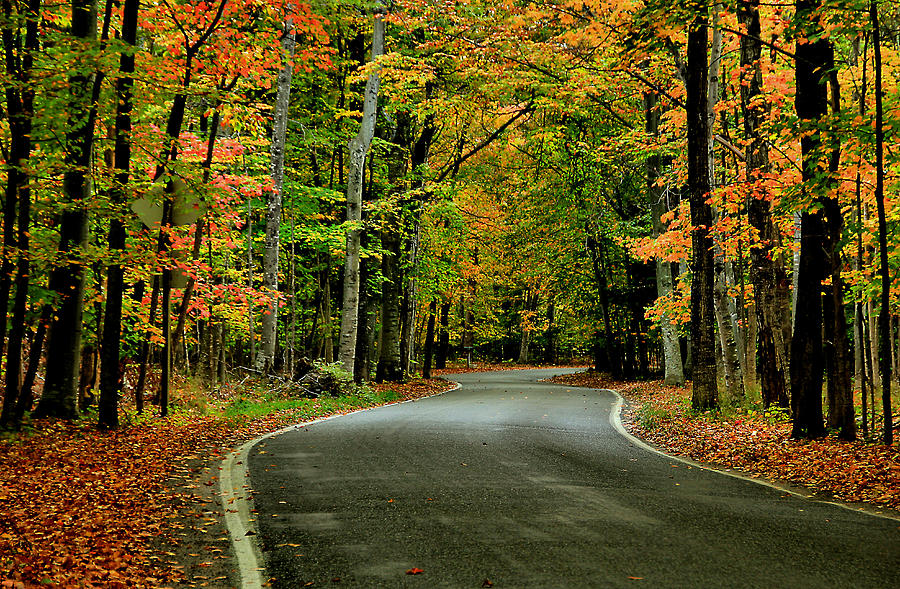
point(754, 442)
point(133, 507)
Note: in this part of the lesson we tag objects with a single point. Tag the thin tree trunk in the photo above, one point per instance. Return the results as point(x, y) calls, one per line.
point(443, 347)
point(166, 306)
point(265, 360)
point(110, 377)
point(389, 362)
point(610, 351)
point(251, 324)
point(359, 148)
point(674, 372)
point(26, 395)
point(169, 155)
point(860, 341)
point(839, 387)
point(220, 362)
point(872, 347)
point(728, 345)
point(201, 225)
point(20, 112)
point(859, 331)
point(884, 314)
point(429, 340)
point(363, 359)
point(327, 320)
point(145, 345)
point(550, 334)
point(410, 293)
point(528, 307)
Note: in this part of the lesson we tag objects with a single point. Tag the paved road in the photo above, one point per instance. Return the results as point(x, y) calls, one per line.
point(517, 483)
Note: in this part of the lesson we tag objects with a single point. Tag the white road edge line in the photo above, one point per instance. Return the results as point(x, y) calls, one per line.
point(237, 499)
point(615, 419)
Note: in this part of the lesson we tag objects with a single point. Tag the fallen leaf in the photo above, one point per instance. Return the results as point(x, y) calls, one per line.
point(414, 571)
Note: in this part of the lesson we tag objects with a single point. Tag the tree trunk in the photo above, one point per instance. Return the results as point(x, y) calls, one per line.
point(841, 414)
point(429, 340)
point(165, 375)
point(359, 148)
point(705, 390)
point(145, 345)
point(410, 295)
point(674, 372)
point(265, 360)
point(110, 377)
point(327, 320)
point(251, 324)
point(728, 340)
point(443, 347)
point(64, 345)
point(20, 112)
point(860, 340)
point(608, 353)
point(529, 305)
point(26, 394)
point(200, 227)
point(884, 314)
point(550, 334)
point(389, 362)
point(766, 274)
point(872, 346)
point(807, 363)
point(730, 358)
point(368, 311)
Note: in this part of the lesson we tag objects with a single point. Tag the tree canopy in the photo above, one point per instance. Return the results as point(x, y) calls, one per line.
point(700, 190)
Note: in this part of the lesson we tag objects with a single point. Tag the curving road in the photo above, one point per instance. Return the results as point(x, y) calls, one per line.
point(511, 482)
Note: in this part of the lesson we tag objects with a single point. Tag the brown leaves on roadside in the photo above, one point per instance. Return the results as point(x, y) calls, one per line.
point(850, 471)
point(83, 508)
point(415, 388)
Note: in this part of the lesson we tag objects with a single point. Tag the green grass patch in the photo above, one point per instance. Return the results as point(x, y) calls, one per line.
point(248, 408)
point(652, 417)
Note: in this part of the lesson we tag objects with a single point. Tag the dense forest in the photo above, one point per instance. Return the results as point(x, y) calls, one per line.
point(696, 190)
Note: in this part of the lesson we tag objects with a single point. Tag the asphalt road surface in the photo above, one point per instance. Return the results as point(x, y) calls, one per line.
point(511, 482)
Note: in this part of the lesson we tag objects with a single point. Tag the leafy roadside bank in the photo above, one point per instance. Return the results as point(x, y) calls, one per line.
point(755, 442)
point(135, 507)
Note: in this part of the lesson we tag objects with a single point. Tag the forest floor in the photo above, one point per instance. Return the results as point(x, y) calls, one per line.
point(756, 442)
point(140, 507)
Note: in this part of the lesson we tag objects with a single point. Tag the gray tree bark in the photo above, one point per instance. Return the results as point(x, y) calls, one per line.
point(674, 367)
point(265, 359)
point(728, 339)
point(359, 148)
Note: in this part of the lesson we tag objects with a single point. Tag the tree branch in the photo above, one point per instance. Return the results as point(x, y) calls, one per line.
point(486, 141)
